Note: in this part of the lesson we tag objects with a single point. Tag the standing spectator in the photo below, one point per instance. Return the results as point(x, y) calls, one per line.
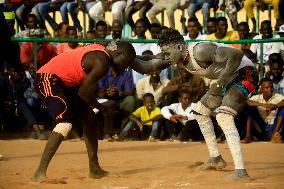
point(222, 32)
point(193, 29)
point(180, 122)
point(266, 109)
point(115, 6)
point(146, 118)
point(61, 32)
point(262, 5)
point(155, 30)
point(205, 5)
point(160, 6)
point(117, 85)
point(91, 34)
point(153, 84)
point(65, 47)
point(143, 6)
point(116, 27)
point(268, 48)
point(45, 52)
point(211, 25)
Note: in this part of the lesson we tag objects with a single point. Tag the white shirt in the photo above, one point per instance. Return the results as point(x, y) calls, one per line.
point(199, 37)
point(275, 99)
point(143, 86)
point(177, 109)
point(268, 48)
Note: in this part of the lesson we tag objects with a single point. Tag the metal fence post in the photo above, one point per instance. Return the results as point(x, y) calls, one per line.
point(261, 66)
point(35, 48)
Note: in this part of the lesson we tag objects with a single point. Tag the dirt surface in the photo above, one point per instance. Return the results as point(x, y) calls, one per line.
point(138, 165)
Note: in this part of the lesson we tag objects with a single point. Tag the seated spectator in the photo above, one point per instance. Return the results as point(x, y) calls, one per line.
point(45, 52)
point(116, 28)
point(145, 119)
point(9, 50)
point(117, 85)
point(116, 7)
point(205, 5)
point(262, 4)
point(193, 29)
point(85, 6)
point(160, 6)
point(101, 29)
point(10, 21)
point(31, 23)
point(71, 7)
point(66, 47)
point(15, 87)
point(276, 72)
point(268, 48)
point(143, 6)
point(266, 110)
point(222, 32)
point(62, 28)
point(45, 8)
point(153, 84)
point(243, 30)
point(180, 121)
point(231, 7)
point(184, 81)
point(155, 30)
point(91, 34)
point(211, 25)
point(23, 10)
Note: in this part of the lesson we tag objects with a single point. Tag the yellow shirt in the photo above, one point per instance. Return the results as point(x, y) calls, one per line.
point(143, 114)
point(231, 35)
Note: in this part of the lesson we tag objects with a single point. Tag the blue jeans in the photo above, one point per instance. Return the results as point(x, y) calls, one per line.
point(132, 125)
point(205, 5)
point(71, 8)
point(267, 129)
point(45, 9)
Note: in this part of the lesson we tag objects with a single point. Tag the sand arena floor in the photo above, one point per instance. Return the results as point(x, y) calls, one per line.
point(138, 165)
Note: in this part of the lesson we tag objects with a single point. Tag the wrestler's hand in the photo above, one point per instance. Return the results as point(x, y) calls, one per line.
point(215, 89)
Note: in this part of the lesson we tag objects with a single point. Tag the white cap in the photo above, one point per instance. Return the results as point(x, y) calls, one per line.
point(281, 28)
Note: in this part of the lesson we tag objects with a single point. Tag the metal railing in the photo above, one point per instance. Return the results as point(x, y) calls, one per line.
point(82, 40)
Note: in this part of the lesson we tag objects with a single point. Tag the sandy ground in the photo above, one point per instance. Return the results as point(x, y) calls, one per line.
point(138, 165)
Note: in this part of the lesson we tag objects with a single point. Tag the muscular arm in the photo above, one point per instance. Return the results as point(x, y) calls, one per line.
point(145, 67)
point(97, 64)
point(232, 57)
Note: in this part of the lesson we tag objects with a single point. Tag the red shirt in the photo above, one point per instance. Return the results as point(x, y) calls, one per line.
point(68, 66)
point(45, 53)
point(64, 47)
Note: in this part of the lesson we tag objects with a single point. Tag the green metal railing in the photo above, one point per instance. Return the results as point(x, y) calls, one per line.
point(81, 40)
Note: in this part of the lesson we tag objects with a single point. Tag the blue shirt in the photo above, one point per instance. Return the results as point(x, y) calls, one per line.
point(123, 81)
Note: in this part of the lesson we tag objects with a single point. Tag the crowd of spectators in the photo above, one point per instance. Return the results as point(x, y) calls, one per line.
point(154, 106)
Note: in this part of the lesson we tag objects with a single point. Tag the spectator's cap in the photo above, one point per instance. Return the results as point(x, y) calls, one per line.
point(281, 28)
point(9, 15)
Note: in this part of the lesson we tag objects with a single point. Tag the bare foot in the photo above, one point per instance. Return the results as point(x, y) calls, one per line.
point(39, 176)
point(216, 163)
point(246, 140)
point(239, 174)
point(98, 173)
